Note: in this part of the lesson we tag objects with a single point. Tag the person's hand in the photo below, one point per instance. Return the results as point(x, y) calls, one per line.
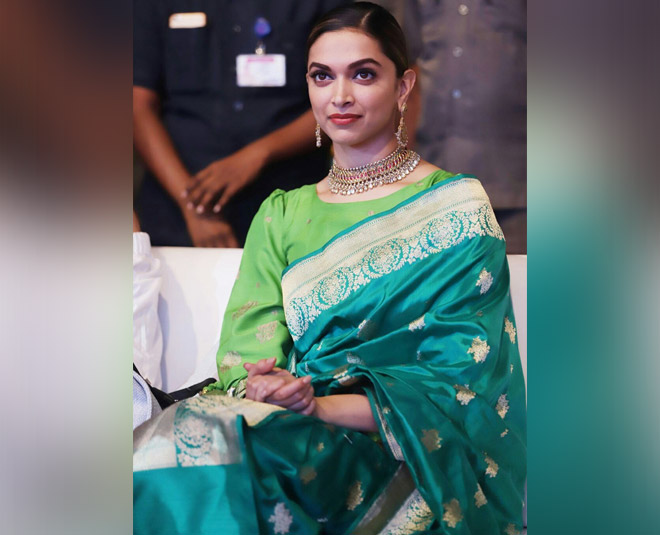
point(297, 394)
point(270, 384)
point(216, 184)
point(207, 232)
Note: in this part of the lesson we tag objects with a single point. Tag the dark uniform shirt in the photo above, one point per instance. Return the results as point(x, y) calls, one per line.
point(205, 112)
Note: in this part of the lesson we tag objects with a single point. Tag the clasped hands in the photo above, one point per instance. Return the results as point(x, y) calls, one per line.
point(270, 384)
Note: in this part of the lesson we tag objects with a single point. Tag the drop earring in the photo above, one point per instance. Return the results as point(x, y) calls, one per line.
point(402, 131)
point(318, 135)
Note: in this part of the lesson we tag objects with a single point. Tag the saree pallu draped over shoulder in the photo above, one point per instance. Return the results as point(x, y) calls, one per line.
point(412, 308)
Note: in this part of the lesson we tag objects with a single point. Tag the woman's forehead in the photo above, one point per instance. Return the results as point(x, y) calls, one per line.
point(344, 47)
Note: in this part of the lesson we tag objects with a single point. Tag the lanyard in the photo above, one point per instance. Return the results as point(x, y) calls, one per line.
point(261, 29)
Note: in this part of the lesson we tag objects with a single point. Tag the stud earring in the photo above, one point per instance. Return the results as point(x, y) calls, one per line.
point(402, 132)
point(318, 135)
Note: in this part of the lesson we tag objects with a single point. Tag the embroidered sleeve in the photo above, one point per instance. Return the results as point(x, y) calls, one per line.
point(254, 326)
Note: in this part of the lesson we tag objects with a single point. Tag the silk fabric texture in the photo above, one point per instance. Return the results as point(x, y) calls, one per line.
point(409, 306)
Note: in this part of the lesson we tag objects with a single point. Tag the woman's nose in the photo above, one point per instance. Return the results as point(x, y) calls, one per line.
point(342, 95)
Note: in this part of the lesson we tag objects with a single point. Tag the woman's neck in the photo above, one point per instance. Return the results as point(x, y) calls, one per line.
point(355, 156)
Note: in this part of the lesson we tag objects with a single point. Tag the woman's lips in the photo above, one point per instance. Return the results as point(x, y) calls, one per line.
point(346, 118)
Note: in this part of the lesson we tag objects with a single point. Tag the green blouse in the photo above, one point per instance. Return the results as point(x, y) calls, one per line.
point(288, 226)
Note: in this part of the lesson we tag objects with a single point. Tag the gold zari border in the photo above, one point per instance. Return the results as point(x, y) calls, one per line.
point(436, 221)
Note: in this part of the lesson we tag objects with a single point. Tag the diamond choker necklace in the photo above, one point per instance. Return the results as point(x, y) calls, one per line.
point(390, 169)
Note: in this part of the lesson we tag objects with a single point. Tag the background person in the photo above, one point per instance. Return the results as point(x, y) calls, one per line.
point(471, 61)
point(199, 133)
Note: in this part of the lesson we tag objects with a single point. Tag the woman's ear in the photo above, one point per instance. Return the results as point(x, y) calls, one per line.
point(406, 84)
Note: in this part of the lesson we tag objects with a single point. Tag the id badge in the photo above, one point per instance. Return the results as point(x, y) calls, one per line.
point(261, 70)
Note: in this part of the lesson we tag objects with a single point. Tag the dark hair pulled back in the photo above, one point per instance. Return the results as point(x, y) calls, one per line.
point(372, 20)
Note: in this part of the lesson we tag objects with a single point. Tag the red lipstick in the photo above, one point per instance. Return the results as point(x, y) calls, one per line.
point(344, 118)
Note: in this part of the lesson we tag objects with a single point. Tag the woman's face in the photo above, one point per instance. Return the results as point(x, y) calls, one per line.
point(353, 88)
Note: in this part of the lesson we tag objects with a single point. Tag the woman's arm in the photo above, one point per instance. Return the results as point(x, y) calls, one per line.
point(347, 410)
point(281, 388)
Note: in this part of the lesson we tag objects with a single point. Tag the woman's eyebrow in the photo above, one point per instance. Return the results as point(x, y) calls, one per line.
point(319, 66)
point(353, 65)
point(361, 62)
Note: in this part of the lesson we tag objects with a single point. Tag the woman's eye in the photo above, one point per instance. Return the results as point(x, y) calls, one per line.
point(320, 76)
point(364, 75)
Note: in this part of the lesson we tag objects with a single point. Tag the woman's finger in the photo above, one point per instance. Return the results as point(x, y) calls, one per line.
point(267, 385)
point(294, 387)
point(310, 408)
point(261, 367)
point(302, 404)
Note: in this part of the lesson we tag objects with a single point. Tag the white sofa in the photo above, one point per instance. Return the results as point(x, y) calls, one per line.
point(194, 294)
point(195, 290)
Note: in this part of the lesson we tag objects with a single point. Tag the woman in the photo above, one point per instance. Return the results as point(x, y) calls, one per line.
point(383, 291)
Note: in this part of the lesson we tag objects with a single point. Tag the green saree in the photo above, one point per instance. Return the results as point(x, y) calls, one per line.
point(409, 306)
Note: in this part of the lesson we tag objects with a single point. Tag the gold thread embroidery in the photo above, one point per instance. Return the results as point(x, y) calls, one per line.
point(199, 423)
point(453, 514)
point(511, 530)
point(417, 324)
point(431, 439)
point(281, 519)
point(366, 330)
point(504, 433)
point(386, 410)
point(442, 218)
point(307, 474)
point(511, 368)
point(355, 496)
point(485, 281)
point(343, 377)
point(463, 394)
point(231, 359)
point(353, 359)
point(510, 330)
point(493, 468)
point(479, 349)
point(395, 448)
point(502, 406)
point(266, 332)
point(320, 447)
point(414, 516)
point(241, 311)
point(479, 497)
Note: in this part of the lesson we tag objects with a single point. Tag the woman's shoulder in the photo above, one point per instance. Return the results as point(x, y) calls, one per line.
point(429, 174)
point(287, 200)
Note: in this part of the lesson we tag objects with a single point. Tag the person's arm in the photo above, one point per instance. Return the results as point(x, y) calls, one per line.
point(347, 410)
point(254, 325)
point(154, 144)
point(269, 384)
point(214, 186)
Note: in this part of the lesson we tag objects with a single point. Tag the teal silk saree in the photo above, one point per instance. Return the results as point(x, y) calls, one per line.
point(410, 307)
